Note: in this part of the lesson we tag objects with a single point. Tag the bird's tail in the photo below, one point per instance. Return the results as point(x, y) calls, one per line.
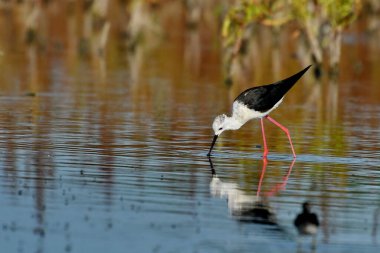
point(286, 84)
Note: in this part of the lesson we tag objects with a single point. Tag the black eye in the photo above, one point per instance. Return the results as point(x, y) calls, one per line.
point(221, 128)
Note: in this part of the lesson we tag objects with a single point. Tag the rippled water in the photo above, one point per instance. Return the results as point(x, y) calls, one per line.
point(113, 158)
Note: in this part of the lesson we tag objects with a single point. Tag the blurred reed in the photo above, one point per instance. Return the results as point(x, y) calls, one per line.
point(86, 28)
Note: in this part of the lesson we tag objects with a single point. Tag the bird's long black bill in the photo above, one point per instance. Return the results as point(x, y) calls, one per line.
point(212, 144)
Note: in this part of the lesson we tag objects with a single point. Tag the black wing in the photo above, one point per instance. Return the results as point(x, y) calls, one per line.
point(263, 98)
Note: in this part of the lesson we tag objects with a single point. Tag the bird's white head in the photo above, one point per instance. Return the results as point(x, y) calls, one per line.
point(222, 123)
point(219, 124)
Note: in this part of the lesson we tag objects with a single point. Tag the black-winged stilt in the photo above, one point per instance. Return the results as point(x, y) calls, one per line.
point(256, 102)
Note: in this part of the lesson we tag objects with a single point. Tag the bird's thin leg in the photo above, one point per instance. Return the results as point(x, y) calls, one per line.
point(285, 130)
point(264, 139)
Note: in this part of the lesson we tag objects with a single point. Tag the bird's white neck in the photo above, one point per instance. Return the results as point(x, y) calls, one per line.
point(232, 123)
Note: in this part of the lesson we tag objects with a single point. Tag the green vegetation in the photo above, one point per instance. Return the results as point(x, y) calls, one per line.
point(320, 21)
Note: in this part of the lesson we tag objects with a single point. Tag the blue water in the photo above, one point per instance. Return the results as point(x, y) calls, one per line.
point(113, 159)
point(79, 179)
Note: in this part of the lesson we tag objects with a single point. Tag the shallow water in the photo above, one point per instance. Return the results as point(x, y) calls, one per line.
point(104, 155)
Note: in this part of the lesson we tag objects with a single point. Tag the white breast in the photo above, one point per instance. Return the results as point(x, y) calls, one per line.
point(242, 113)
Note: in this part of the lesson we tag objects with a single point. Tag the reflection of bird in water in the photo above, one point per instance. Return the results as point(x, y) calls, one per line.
point(306, 222)
point(245, 207)
point(260, 212)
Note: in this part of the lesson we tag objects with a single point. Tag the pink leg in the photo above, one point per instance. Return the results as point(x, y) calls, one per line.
point(264, 140)
point(283, 129)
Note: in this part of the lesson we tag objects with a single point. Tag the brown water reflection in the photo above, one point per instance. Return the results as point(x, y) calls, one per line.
point(108, 151)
